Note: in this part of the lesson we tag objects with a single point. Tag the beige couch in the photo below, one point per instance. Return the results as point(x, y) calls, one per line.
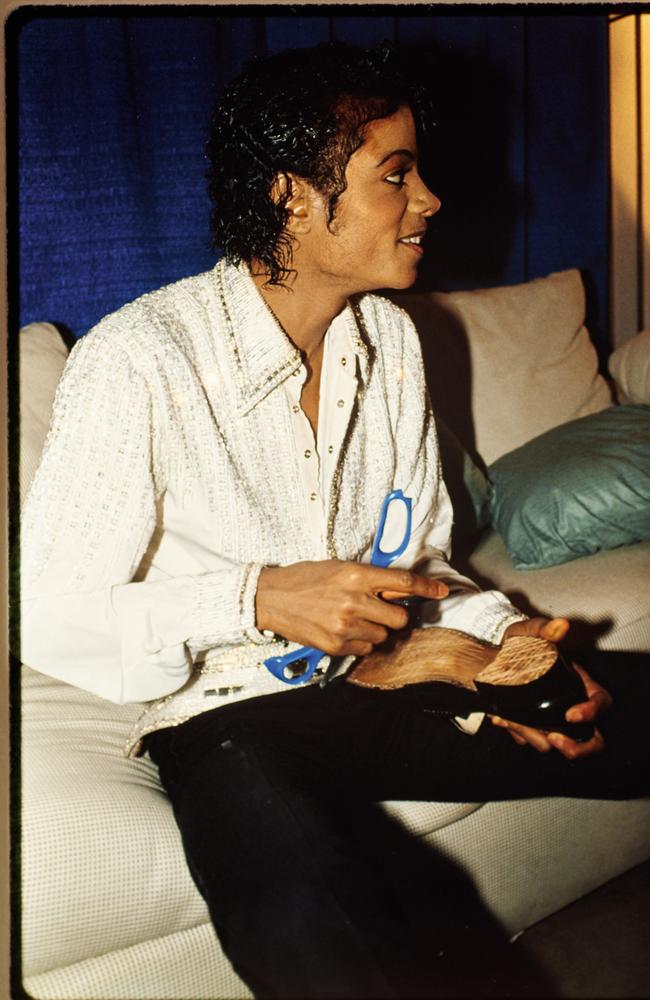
point(108, 907)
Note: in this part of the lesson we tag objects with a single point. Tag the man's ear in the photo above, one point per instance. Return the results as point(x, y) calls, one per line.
point(301, 202)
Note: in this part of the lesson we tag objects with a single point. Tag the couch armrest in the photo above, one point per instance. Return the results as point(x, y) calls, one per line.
point(43, 355)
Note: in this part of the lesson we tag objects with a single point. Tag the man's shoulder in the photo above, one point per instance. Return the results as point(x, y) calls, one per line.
point(156, 320)
point(387, 325)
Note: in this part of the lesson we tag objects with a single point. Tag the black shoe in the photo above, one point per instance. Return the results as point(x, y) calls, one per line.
point(447, 672)
point(542, 703)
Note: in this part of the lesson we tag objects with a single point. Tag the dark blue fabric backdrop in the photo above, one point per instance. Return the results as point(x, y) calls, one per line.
point(113, 112)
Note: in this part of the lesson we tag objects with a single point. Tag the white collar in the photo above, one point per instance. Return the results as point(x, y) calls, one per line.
point(262, 354)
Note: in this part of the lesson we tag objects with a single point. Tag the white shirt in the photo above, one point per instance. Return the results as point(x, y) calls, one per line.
point(179, 462)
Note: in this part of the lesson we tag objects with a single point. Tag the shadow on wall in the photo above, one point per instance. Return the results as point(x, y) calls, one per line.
point(466, 163)
point(630, 277)
point(448, 374)
point(447, 363)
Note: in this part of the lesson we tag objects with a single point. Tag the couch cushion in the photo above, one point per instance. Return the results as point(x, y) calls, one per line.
point(629, 365)
point(42, 357)
point(102, 862)
point(530, 857)
point(576, 489)
point(422, 818)
point(506, 364)
point(605, 595)
point(188, 964)
point(103, 867)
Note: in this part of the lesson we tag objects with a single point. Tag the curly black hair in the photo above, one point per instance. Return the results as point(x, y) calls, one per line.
point(299, 112)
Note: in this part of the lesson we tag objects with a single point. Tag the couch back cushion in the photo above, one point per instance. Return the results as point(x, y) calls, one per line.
point(506, 364)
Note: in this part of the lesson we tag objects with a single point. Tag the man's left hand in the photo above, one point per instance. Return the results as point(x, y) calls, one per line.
point(598, 700)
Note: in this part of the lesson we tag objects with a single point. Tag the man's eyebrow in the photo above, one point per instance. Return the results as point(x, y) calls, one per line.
point(397, 152)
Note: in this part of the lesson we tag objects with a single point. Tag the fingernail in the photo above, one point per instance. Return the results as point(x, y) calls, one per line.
point(574, 715)
point(556, 740)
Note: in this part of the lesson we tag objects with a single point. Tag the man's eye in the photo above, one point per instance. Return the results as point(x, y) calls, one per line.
point(396, 178)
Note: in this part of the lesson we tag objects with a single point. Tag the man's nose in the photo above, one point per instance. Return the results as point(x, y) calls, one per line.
point(431, 201)
point(425, 201)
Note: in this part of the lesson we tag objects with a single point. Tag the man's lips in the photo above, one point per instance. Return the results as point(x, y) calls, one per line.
point(414, 241)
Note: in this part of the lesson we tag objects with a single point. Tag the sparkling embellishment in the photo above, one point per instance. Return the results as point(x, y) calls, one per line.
point(239, 670)
point(290, 362)
point(307, 453)
point(223, 691)
point(344, 361)
point(340, 402)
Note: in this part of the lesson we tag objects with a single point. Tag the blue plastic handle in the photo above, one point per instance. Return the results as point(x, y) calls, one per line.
point(280, 666)
point(379, 557)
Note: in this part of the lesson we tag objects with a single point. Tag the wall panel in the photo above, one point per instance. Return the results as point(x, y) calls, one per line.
point(625, 204)
point(644, 173)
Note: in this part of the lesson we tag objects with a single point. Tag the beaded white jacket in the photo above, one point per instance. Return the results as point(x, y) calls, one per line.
point(172, 473)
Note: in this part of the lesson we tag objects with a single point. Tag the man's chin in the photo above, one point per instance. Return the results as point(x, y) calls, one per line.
point(405, 280)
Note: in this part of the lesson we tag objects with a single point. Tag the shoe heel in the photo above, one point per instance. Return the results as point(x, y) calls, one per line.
point(543, 703)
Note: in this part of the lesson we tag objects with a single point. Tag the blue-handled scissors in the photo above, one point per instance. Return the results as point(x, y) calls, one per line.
point(300, 666)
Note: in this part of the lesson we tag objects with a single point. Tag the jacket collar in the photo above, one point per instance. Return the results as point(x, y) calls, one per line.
point(261, 353)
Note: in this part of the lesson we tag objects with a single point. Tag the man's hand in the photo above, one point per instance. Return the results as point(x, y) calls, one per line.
point(598, 699)
point(335, 606)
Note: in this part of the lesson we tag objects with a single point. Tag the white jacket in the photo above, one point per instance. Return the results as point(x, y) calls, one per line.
point(175, 469)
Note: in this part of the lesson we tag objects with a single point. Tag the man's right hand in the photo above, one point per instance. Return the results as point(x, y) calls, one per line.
point(336, 606)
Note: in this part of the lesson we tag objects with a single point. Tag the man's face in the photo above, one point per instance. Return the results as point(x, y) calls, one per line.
point(374, 240)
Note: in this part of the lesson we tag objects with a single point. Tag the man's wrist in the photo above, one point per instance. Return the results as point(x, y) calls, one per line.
point(263, 617)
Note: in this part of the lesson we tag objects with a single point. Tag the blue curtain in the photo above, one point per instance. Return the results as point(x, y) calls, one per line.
point(111, 114)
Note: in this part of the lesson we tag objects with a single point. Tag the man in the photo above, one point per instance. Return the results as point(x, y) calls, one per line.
point(231, 439)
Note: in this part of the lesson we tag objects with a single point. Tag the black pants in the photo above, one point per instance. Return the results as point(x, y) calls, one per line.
point(312, 890)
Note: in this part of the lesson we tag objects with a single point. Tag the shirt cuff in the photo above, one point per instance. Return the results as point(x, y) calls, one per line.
point(485, 615)
point(508, 619)
point(247, 595)
point(223, 607)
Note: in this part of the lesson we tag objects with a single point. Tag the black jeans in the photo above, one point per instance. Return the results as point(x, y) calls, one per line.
point(312, 890)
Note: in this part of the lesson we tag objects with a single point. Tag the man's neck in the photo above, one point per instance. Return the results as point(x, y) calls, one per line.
point(304, 308)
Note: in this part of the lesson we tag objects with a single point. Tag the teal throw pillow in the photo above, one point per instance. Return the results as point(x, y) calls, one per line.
point(579, 488)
